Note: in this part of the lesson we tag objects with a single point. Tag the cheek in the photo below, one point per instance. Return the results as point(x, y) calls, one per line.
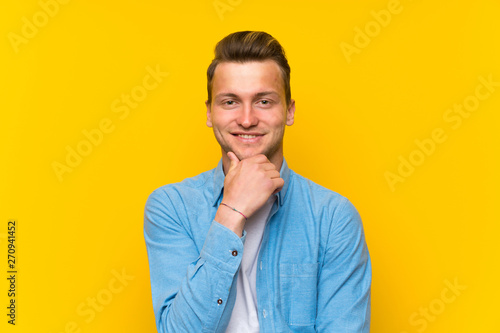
point(221, 120)
point(277, 122)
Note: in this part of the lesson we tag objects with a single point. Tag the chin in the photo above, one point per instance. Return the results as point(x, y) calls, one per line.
point(242, 156)
point(246, 154)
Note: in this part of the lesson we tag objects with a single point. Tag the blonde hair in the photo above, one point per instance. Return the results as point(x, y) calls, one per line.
point(244, 46)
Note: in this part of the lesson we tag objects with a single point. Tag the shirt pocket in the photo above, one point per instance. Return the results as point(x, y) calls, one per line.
point(298, 293)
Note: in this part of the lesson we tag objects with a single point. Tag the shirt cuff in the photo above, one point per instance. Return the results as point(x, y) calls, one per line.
point(223, 248)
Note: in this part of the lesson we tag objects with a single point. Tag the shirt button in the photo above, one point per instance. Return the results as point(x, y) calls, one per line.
point(219, 301)
point(261, 265)
point(264, 313)
point(234, 253)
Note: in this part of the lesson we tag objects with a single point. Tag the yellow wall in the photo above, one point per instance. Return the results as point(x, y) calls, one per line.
point(378, 87)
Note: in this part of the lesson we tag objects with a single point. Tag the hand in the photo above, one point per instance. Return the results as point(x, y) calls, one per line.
point(247, 186)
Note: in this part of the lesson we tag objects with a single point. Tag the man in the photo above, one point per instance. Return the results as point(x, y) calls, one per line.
point(251, 246)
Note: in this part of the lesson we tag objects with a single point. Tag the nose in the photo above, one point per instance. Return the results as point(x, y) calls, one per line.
point(247, 116)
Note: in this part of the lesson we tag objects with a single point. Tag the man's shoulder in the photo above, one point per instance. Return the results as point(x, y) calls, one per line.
point(304, 189)
point(190, 186)
point(307, 185)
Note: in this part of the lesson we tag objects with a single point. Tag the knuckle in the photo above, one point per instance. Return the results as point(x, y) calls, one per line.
point(268, 184)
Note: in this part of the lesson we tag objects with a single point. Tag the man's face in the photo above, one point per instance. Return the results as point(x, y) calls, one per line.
point(248, 112)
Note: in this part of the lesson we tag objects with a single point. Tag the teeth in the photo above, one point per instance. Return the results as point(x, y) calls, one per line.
point(247, 136)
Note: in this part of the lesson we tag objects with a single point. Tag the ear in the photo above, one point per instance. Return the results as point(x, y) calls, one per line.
point(209, 114)
point(290, 113)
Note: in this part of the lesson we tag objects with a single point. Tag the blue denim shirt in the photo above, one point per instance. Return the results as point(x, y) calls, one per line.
point(314, 272)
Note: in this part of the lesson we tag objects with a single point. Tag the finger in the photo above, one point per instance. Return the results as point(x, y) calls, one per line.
point(278, 183)
point(276, 191)
point(272, 174)
point(259, 158)
point(268, 166)
point(234, 160)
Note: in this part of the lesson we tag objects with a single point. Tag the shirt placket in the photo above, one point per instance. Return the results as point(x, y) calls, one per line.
point(264, 279)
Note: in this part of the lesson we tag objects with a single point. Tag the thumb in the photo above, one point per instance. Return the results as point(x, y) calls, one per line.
point(234, 160)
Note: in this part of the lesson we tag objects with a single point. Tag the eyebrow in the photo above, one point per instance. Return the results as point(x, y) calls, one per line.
point(257, 95)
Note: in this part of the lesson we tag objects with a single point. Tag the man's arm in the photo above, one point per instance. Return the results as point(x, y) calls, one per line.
point(195, 301)
point(190, 289)
point(345, 278)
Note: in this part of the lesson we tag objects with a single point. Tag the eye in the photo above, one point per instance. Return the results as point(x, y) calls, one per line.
point(229, 102)
point(265, 102)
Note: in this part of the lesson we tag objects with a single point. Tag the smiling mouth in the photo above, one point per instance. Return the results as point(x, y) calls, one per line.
point(246, 136)
point(250, 138)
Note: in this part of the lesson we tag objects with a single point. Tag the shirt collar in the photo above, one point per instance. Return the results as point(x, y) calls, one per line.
point(219, 183)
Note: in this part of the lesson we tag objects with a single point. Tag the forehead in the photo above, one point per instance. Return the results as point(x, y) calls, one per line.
point(248, 77)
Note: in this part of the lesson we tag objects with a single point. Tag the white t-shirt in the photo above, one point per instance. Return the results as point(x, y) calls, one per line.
point(244, 318)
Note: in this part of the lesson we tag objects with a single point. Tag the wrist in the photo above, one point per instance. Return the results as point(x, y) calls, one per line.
point(231, 219)
point(234, 209)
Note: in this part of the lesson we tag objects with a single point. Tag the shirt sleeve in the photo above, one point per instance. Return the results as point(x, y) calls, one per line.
point(191, 289)
point(345, 278)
